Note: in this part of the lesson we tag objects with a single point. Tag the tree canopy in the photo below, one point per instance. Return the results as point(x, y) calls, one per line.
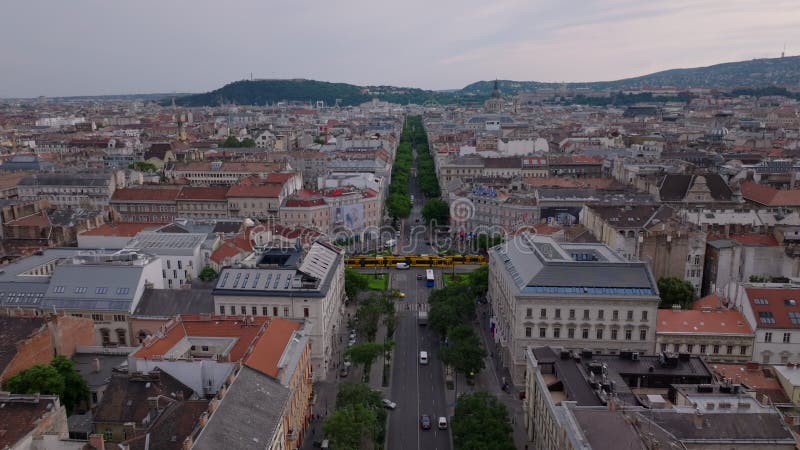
point(57, 378)
point(463, 350)
point(436, 212)
point(481, 422)
point(354, 283)
point(675, 291)
point(207, 274)
point(359, 420)
point(143, 166)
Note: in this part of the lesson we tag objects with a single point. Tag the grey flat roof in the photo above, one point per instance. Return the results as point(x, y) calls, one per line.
point(171, 302)
point(181, 244)
point(248, 415)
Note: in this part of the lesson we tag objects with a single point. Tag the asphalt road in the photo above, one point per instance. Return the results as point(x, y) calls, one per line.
point(417, 389)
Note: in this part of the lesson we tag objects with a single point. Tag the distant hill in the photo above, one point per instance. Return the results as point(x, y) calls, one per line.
point(263, 92)
point(754, 74)
point(783, 72)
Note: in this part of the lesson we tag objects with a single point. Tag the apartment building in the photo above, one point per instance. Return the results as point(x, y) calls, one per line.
point(181, 254)
point(576, 296)
point(146, 204)
point(69, 190)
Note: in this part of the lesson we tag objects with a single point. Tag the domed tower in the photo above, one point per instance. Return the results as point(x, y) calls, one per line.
point(495, 102)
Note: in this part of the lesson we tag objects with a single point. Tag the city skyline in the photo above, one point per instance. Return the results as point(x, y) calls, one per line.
point(95, 48)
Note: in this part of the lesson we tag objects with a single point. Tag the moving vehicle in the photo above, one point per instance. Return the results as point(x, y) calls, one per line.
point(423, 358)
point(419, 276)
point(403, 266)
point(388, 404)
point(442, 423)
point(422, 318)
point(344, 371)
point(390, 243)
point(429, 280)
point(425, 422)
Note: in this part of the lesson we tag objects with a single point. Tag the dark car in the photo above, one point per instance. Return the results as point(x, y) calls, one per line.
point(419, 276)
point(425, 422)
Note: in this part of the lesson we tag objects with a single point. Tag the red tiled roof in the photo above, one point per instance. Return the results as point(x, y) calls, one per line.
point(279, 177)
point(304, 202)
point(779, 302)
point(203, 193)
point(770, 196)
point(38, 219)
point(755, 239)
point(158, 194)
point(693, 321)
point(122, 229)
point(213, 326)
point(709, 301)
point(270, 346)
point(240, 243)
point(262, 191)
point(755, 377)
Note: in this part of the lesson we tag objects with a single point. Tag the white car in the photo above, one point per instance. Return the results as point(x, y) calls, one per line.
point(403, 266)
point(388, 404)
point(442, 423)
point(423, 357)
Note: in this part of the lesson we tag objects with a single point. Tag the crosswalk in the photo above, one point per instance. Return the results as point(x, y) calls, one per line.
point(413, 307)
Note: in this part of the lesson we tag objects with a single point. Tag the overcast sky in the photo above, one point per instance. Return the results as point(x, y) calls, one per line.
point(92, 47)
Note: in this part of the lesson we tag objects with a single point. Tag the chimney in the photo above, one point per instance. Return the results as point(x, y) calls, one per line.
point(96, 441)
point(129, 430)
point(698, 420)
point(203, 420)
point(179, 394)
point(96, 365)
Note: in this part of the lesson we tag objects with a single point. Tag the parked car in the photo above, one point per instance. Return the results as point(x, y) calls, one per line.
point(442, 423)
point(423, 358)
point(403, 266)
point(419, 276)
point(388, 404)
point(425, 422)
point(344, 371)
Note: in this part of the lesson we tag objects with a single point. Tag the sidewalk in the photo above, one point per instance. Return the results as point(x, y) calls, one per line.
point(491, 380)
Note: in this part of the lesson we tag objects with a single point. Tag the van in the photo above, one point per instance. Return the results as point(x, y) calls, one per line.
point(403, 266)
point(390, 243)
point(423, 358)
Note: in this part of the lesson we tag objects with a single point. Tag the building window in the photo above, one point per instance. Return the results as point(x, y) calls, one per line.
point(642, 334)
point(264, 311)
point(572, 314)
point(558, 313)
point(121, 336)
point(715, 349)
point(169, 265)
point(528, 332)
point(585, 314)
point(600, 314)
point(98, 317)
point(233, 310)
point(787, 337)
point(644, 316)
point(630, 314)
point(119, 318)
point(663, 347)
point(80, 290)
point(628, 334)
point(222, 309)
point(702, 349)
point(543, 313)
point(275, 311)
point(784, 359)
point(180, 265)
point(599, 333)
point(615, 315)
point(305, 312)
point(768, 336)
point(571, 333)
point(285, 311)
point(613, 334)
point(729, 349)
point(254, 310)
point(529, 312)
point(243, 309)
point(556, 333)
point(101, 290)
point(689, 348)
point(743, 350)
point(585, 333)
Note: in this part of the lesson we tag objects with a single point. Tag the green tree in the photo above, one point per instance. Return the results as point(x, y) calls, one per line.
point(436, 211)
point(207, 274)
point(231, 142)
point(478, 280)
point(675, 291)
point(57, 378)
point(247, 142)
point(398, 205)
point(76, 391)
point(366, 353)
point(351, 428)
point(481, 422)
point(354, 283)
point(463, 351)
point(351, 393)
point(143, 166)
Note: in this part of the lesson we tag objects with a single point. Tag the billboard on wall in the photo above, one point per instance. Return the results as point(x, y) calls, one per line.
point(349, 217)
point(561, 215)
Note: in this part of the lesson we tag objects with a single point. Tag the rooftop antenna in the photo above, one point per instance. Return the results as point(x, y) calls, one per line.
point(783, 53)
point(251, 76)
